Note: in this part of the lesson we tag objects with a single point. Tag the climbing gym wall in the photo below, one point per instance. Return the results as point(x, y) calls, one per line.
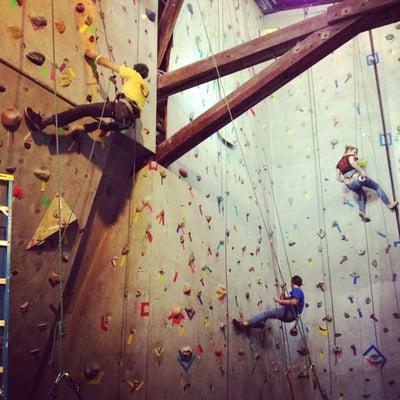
point(112, 28)
point(282, 155)
point(79, 167)
point(350, 268)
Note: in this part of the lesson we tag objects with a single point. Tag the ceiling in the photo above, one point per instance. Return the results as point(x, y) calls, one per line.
point(271, 6)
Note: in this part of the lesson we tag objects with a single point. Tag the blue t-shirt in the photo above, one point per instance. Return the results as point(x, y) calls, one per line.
point(298, 294)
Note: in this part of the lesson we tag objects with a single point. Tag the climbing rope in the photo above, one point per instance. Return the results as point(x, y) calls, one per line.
point(321, 206)
point(267, 224)
point(59, 327)
point(316, 379)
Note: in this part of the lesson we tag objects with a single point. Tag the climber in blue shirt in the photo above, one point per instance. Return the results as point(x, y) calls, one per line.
point(292, 307)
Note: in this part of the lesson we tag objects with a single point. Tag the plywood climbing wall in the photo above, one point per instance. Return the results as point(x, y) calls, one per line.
point(111, 29)
point(169, 248)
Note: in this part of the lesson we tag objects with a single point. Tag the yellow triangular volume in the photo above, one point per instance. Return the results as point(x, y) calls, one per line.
point(50, 221)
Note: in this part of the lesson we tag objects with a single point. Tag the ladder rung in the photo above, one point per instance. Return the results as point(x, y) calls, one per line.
point(6, 177)
point(3, 281)
point(4, 243)
point(2, 322)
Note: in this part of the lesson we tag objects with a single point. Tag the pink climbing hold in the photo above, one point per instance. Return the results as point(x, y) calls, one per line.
point(183, 172)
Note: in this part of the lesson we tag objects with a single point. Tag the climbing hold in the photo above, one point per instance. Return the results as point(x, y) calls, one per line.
point(89, 20)
point(190, 8)
point(18, 192)
point(42, 174)
point(343, 259)
point(15, 32)
point(183, 172)
point(24, 307)
point(151, 15)
point(38, 22)
point(320, 285)
point(221, 292)
point(303, 351)
point(346, 315)
point(51, 221)
point(60, 26)
point(187, 289)
point(11, 119)
point(2, 89)
point(337, 350)
point(36, 58)
point(80, 8)
point(54, 279)
point(334, 142)
point(42, 325)
point(294, 331)
point(218, 351)
point(92, 371)
point(321, 233)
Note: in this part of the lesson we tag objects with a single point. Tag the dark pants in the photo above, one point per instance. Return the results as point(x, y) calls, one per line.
point(111, 109)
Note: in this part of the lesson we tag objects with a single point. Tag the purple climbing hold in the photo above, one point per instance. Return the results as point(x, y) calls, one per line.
point(36, 58)
point(151, 15)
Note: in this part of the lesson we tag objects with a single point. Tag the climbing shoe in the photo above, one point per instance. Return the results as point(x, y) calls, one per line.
point(33, 120)
point(364, 218)
point(393, 205)
point(239, 326)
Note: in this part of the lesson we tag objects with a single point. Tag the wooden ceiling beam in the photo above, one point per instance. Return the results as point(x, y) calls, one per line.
point(251, 53)
point(166, 27)
point(263, 48)
point(297, 60)
point(305, 54)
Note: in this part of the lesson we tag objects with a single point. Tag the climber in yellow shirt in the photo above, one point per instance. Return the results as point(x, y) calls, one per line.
point(124, 110)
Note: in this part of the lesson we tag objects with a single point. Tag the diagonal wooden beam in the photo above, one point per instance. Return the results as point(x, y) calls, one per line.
point(355, 8)
point(305, 54)
point(251, 53)
point(263, 48)
point(166, 27)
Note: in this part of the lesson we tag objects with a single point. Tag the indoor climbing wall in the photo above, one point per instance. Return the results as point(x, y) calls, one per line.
point(29, 74)
point(32, 159)
point(281, 155)
point(350, 268)
point(231, 168)
point(111, 28)
point(150, 319)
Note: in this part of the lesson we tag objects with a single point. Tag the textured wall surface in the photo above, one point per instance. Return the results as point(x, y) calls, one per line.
point(239, 218)
point(113, 28)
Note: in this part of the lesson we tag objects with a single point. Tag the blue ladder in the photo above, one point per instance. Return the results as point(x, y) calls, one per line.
point(5, 248)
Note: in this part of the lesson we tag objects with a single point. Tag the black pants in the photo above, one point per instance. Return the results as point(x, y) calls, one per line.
point(111, 109)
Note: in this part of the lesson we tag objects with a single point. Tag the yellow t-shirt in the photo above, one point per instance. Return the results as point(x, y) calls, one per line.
point(135, 87)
